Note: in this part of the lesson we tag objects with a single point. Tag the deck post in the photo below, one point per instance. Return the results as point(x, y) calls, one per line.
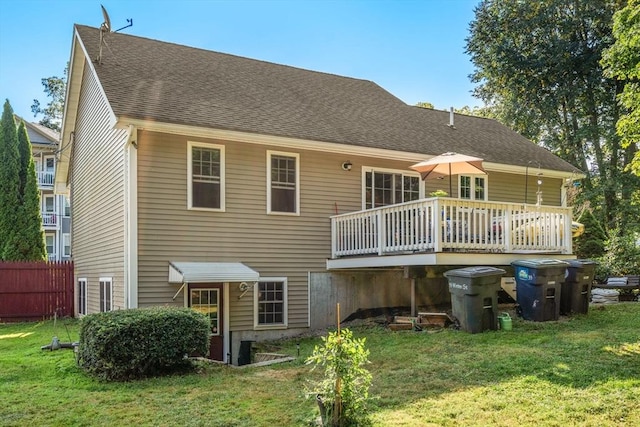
point(381, 231)
point(334, 238)
point(436, 226)
point(506, 235)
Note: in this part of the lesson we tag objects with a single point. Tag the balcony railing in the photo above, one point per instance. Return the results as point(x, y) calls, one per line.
point(49, 219)
point(45, 178)
point(445, 224)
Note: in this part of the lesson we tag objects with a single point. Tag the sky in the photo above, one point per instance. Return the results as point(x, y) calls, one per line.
point(414, 49)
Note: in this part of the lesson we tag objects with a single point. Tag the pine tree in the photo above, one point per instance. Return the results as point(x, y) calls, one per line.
point(592, 242)
point(30, 246)
point(9, 180)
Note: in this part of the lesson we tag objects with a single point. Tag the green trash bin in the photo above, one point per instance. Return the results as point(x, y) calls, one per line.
point(538, 288)
point(576, 289)
point(474, 297)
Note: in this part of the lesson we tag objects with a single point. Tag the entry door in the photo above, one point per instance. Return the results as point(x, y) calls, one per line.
point(207, 298)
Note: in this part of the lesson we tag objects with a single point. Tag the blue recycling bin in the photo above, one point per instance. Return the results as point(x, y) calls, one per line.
point(538, 288)
point(576, 289)
point(474, 297)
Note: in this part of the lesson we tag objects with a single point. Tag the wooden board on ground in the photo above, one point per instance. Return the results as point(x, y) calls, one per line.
point(438, 319)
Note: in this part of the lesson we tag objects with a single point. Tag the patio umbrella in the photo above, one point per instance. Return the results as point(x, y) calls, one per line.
point(449, 164)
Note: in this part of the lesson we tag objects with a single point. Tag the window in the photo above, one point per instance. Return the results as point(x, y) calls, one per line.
point(270, 296)
point(49, 203)
point(49, 164)
point(66, 243)
point(205, 176)
point(473, 187)
point(50, 245)
point(207, 301)
point(67, 207)
point(283, 190)
point(82, 296)
point(106, 294)
point(383, 188)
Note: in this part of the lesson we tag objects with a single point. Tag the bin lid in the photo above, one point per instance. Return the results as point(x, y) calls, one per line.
point(540, 263)
point(581, 262)
point(475, 272)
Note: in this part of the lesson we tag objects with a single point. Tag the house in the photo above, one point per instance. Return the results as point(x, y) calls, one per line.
point(263, 194)
point(55, 209)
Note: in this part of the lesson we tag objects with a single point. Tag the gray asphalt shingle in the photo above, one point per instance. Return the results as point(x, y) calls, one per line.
point(165, 82)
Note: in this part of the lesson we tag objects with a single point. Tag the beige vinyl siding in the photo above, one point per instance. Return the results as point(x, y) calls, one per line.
point(505, 187)
point(273, 245)
point(97, 189)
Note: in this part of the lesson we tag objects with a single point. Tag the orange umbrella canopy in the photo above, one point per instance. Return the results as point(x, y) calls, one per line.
point(449, 164)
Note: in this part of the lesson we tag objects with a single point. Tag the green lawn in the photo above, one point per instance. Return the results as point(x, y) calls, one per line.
point(583, 370)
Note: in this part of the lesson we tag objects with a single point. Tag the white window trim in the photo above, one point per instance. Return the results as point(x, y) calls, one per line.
point(54, 245)
point(297, 157)
point(365, 169)
point(65, 201)
point(44, 163)
point(473, 186)
point(66, 236)
point(83, 280)
point(190, 145)
point(44, 203)
point(285, 304)
point(110, 281)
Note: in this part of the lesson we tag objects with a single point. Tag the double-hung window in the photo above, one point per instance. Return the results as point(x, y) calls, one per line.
point(106, 294)
point(205, 176)
point(270, 297)
point(66, 244)
point(473, 187)
point(387, 187)
point(283, 183)
point(82, 296)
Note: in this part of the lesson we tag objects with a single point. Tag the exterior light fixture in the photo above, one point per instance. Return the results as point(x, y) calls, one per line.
point(346, 166)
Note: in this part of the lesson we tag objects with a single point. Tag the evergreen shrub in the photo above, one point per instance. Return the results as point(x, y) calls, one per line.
point(138, 343)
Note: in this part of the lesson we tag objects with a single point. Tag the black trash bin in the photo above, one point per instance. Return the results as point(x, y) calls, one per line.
point(538, 288)
point(576, 289)
point(474, 297)
point(244, 355)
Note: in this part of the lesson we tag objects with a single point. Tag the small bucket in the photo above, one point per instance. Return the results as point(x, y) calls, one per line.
point(505, 321)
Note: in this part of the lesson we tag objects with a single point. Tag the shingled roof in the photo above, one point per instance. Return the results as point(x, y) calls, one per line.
point(165, 82)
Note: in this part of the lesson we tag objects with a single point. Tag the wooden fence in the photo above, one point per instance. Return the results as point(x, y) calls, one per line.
point(35, 290)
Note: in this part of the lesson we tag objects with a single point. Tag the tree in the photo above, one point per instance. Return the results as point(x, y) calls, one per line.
point(425, 105)
point(30, 245)
point(538, 68)
point(9, 180)
point(343, 392)
point(622, 61)
point(591, 244)
point(55, 88)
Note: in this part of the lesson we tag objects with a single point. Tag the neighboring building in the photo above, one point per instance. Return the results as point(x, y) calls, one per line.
point(263, 194)
point(55, 209)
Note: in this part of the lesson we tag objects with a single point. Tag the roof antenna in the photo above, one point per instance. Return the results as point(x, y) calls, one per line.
point(106, 28)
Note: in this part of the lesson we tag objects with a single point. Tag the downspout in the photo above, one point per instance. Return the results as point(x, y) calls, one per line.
point(131, 218)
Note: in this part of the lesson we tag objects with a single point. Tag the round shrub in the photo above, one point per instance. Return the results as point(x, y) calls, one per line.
point(138, 343)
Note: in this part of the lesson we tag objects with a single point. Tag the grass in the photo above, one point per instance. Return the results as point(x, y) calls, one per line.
point(583, 370)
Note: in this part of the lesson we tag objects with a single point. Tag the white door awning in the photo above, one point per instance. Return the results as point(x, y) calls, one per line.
point(205, 272)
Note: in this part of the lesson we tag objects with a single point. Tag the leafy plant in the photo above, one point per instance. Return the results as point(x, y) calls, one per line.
point(344, 390)
point(439, 193)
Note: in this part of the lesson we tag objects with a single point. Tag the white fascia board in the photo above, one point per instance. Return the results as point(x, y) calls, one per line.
point(297, 143)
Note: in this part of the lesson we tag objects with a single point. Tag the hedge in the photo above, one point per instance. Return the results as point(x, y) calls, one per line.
point(138, 343)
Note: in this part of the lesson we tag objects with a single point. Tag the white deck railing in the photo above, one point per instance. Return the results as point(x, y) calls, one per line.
point(49, 219)
point(445, 224)
point(45, 178)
